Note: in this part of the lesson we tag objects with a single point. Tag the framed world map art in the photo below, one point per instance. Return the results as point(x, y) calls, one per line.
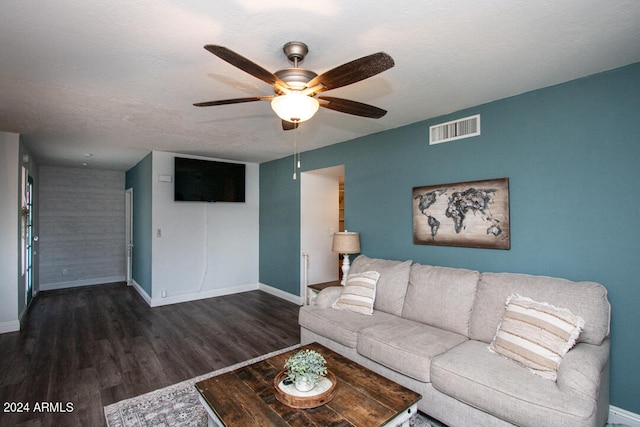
point(472, 214)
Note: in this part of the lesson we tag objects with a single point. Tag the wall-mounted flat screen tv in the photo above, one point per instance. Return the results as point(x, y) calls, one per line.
point(199, 180)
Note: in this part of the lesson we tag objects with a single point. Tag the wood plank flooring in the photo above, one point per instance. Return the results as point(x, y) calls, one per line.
point(93, 346)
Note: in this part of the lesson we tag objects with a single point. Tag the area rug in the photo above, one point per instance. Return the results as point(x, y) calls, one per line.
point(178, 405)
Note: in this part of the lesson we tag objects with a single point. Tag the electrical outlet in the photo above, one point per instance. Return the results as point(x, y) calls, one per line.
point(159, 232)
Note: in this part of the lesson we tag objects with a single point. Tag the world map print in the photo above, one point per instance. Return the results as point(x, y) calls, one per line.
point(473, 214)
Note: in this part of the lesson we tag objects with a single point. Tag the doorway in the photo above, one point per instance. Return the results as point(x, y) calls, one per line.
point(320, 217)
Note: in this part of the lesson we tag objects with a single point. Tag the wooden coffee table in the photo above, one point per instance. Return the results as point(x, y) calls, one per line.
point(245, 397)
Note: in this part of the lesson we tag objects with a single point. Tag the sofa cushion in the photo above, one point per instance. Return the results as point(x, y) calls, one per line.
point(441, 296)
point(496, 385)
point(392, 285)
point(536, 335)
point(341, 326)
point(358, 293)
point(585, 299)
point(406, 346)
point(328, 296)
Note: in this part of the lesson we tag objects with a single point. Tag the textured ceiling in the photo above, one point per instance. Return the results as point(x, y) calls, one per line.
point(117, 78)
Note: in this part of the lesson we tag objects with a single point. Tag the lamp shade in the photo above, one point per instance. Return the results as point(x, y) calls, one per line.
point(346, 242)
point(295, 107)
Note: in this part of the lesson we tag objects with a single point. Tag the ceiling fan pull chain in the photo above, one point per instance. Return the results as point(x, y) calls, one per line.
point(297, 147)
point(295, 155)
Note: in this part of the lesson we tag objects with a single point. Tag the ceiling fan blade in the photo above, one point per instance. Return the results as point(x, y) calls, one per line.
point(351, 107)
point(352, 72)
point(245, 65)
point(289, 125)
point(231, 101)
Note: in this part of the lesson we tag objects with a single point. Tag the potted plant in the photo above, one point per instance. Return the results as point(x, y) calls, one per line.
point(305, 368)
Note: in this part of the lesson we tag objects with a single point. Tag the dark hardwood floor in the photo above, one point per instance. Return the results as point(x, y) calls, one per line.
point(93, 346)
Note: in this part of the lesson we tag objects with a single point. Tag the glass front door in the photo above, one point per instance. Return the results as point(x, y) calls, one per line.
point(29, 275)
point(27, 236)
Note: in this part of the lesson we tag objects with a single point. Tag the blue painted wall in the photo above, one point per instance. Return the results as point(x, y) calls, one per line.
point(571, 153)
point(139, 178)
point(279, 227)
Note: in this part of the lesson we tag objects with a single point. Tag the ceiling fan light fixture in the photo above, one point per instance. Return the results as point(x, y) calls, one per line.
point(295, 107)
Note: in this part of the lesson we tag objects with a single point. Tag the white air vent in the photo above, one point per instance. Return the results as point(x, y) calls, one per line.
point(456, 129)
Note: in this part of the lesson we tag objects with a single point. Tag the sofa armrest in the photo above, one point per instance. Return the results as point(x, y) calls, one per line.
point(328, 296)
point(584, 369)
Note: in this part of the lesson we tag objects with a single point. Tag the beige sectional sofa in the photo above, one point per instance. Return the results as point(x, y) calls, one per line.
point(430, 331)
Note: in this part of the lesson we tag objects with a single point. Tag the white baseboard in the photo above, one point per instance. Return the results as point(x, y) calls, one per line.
point(193, 296)
point(621, 416)
point(145, 296)
point(10, 326)
point(281, 294)
point(78, 283)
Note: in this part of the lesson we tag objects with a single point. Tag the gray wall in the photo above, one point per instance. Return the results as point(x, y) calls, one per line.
point(9, 226)
point(82, 224)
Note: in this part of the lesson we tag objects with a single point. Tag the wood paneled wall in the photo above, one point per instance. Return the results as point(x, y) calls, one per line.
point(82, 223)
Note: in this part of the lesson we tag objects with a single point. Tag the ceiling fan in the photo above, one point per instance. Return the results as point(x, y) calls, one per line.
point(296, 88)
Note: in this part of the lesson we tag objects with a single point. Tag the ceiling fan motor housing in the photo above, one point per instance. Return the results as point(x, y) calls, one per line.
point(295, 78)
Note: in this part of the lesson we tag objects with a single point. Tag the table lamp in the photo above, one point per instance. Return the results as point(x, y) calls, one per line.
point(346, 242)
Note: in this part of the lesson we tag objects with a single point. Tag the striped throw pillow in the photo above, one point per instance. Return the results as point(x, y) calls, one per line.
point(359, 293)
point(537, 335)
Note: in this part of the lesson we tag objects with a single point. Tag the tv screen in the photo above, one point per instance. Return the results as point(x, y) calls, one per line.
point(208, 181)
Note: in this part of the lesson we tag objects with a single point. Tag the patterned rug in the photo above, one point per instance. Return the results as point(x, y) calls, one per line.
point(178, 405)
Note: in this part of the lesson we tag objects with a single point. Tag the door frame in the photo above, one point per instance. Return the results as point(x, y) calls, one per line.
point(128, 213)
point(311, 252)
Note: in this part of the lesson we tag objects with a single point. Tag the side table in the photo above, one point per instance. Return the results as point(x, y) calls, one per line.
point(314, 290)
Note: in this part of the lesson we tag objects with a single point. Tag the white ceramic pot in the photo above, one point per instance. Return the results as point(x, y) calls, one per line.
point(304, 384)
